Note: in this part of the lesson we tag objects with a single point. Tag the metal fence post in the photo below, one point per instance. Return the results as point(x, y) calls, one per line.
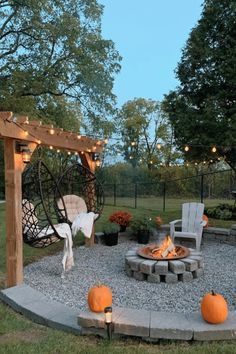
point(202, 180)
point(114, 193)
point(164, 196)
point(135, 195)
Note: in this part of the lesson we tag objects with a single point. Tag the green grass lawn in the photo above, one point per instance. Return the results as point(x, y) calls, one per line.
point(171, 204)
point(19, 335)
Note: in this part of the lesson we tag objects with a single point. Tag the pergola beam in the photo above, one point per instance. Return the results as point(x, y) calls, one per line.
point(22, 129)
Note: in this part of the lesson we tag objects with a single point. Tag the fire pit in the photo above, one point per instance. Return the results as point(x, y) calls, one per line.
point(166, 251)
point(166, 262)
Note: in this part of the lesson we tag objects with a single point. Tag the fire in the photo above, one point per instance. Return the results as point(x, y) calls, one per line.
point(166, 249)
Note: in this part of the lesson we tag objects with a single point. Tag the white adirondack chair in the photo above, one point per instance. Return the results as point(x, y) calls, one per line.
point(192, 223)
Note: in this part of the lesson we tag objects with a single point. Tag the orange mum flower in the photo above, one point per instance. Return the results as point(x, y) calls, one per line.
point(121, 218)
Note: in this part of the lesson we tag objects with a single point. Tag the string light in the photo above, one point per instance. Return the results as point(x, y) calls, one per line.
point(76, 153)
point(26, 132)
point(58, 150)
point(39, 142)
point(186, 148)
point(51, 147)
point(51, 130)
point(132, 143)
point(159, 146)
point(78, 137)
point(213, 149)
point(106, 141)
point(68, 153)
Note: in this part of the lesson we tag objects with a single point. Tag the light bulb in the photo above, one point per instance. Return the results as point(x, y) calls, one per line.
point(213, 149)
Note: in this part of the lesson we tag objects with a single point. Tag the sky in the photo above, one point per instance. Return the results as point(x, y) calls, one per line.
point(149, 35)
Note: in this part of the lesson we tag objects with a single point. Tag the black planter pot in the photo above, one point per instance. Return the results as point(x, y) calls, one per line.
point(111, 239)
point(143, 236)
point(122, 228)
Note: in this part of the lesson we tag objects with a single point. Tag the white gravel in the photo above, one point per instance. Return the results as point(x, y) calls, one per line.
point(103, 264)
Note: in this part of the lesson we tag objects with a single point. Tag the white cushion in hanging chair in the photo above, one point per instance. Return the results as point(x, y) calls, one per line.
point(74, 206)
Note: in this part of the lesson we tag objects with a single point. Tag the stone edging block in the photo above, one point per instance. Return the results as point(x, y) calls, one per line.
point(37, 307)
point(164, 325)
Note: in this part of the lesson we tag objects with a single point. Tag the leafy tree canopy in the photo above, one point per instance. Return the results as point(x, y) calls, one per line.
point(54, 62)
point(142, 125)
point(202, 110)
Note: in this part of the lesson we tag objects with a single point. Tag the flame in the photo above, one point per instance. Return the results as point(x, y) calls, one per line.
point(165, 249)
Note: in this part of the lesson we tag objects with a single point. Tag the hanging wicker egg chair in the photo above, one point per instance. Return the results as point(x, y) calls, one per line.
point(39, 210)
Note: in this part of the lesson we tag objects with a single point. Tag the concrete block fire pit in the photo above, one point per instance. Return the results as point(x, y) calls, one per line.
point(167, 271)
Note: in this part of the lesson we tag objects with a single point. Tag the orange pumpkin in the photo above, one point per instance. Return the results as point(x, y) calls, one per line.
point(99, 297)
point(205, 218)
point(214, 308)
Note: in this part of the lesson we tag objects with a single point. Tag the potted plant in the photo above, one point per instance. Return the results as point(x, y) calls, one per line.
point(111, 234)
point(141, 228)
point(157, 223)
point(121, 218)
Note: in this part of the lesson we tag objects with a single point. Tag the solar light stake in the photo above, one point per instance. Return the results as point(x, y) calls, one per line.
point(108, 321)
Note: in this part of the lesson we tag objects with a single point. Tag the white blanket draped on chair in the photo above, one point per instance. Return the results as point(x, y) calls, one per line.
point(62, 229)
point(84, 223)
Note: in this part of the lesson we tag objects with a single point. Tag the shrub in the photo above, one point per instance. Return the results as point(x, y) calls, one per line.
point(222, 211)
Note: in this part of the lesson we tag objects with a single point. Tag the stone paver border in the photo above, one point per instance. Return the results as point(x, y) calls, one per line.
point(149, 325)
point(153, 325)
point(167, 271)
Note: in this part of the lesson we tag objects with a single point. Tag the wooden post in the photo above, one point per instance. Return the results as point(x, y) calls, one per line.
point(91, 165)
point(14, 243)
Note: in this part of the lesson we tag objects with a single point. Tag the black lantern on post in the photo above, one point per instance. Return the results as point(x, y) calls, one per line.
point(96, 158)
point(25, 152)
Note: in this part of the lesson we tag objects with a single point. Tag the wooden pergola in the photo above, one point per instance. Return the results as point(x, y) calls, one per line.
point(21, 130)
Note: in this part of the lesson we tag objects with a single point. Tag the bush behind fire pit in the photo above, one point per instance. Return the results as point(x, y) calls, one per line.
point(222, 211)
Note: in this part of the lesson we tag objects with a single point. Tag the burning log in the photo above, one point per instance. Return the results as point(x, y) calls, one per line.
point(166, 248)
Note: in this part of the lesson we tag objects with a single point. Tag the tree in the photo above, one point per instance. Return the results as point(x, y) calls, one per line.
point(54, 59)
point(202, 110)
point(142, 125)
